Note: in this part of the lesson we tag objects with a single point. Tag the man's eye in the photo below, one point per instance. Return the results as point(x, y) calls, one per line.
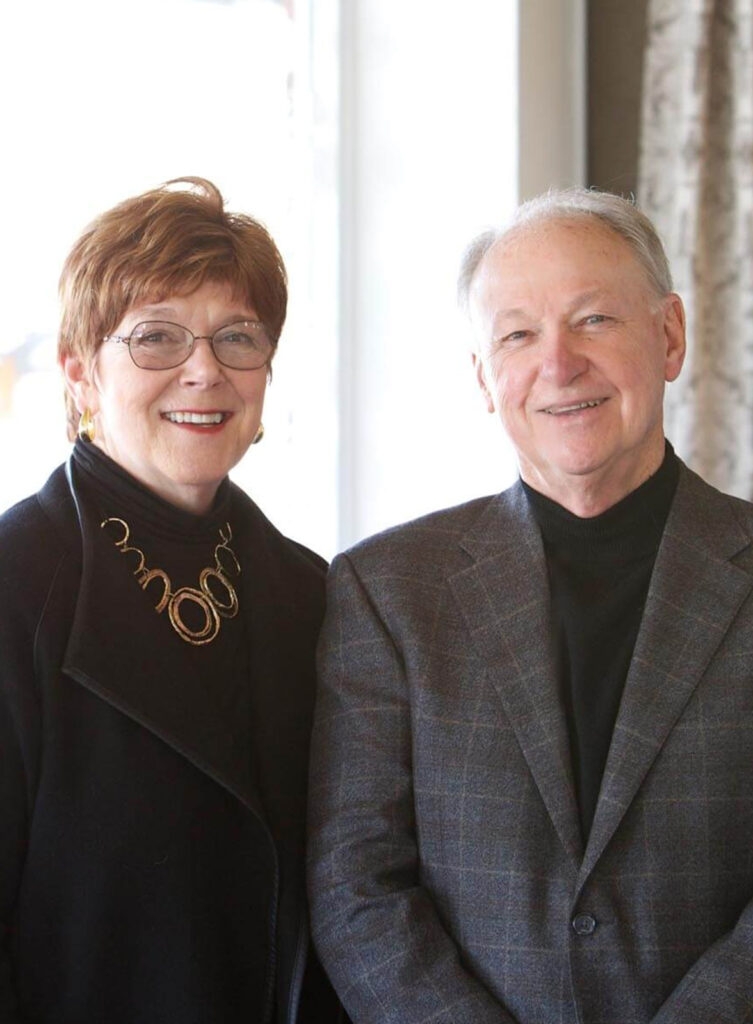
point(595, 319)
point(520, 335)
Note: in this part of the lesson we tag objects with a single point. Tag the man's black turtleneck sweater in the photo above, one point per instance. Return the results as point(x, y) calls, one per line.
point(599, 572)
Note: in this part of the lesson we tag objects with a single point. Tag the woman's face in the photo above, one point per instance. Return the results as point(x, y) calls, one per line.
point(135, 410)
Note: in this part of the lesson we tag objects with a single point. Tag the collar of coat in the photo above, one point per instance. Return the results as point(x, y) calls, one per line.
point(282, 605)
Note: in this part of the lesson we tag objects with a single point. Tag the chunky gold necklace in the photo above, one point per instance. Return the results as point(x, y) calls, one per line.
point(213, 607)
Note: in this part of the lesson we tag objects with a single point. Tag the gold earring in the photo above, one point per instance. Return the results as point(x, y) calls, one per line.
point(259, 434)
point(86, 425)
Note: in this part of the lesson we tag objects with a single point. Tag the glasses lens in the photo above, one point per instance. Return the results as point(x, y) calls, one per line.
point(244, 345)
point(157, 346)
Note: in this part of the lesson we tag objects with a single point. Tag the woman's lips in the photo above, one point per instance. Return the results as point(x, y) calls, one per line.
point(193, 421)
point(199, 419)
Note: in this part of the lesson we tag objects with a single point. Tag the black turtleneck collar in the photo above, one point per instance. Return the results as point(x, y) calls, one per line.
point(631, 528)
point(599, 573)
point(122, 494)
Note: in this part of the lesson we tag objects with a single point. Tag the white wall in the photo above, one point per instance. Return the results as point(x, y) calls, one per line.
point(435, 146)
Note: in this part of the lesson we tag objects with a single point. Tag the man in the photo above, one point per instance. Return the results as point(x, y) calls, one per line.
point(532, 789)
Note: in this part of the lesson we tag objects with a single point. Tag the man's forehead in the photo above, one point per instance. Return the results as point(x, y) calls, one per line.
point(533, 252)
point(548, 232)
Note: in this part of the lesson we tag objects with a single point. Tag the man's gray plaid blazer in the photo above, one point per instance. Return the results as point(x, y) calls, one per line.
point(449, 882)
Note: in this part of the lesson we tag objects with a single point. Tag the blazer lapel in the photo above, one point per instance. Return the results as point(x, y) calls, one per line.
point(504, 596)
point(695, 593)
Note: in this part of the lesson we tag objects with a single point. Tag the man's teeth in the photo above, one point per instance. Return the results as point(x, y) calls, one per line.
point(574, 408)
point(194, 417)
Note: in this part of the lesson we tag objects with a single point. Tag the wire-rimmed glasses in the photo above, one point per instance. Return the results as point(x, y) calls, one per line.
point(161, 345)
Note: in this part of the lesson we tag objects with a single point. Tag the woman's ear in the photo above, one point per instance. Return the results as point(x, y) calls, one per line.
point(78, 383)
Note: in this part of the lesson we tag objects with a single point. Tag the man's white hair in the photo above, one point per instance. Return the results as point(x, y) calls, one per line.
point(618, 214)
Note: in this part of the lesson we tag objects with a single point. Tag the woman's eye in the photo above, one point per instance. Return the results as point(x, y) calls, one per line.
point(241, 339)
point(152, 335)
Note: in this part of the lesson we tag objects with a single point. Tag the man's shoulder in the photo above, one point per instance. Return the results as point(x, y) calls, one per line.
point(437, 539)
point(710, 510)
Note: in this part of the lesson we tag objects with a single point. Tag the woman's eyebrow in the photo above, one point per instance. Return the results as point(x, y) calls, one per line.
point(157, 308)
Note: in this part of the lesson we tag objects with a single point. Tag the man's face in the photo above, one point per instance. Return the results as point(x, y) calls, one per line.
point(574, 348)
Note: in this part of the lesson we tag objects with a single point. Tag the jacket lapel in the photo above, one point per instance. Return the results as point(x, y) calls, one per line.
point(113, 655)
point(504, 596)
point(695, 593)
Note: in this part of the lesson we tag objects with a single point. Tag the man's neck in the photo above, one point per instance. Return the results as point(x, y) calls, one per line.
point(591, 494)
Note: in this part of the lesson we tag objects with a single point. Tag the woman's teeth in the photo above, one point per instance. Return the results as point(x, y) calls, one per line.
point(194, 417)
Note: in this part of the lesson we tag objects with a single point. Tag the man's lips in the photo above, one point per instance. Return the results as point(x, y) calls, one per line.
point(570, 407)
point(207, 419)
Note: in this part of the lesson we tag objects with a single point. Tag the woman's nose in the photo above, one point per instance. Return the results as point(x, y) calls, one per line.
point(202, 365)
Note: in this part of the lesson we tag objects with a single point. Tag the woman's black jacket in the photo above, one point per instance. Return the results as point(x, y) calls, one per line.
point(100, 758)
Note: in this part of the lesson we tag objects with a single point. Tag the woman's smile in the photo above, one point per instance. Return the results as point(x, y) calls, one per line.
point(192, 418)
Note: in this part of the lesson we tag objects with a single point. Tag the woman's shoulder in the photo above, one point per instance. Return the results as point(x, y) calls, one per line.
point(260, 531)
point(39, 512)
point(35, 536)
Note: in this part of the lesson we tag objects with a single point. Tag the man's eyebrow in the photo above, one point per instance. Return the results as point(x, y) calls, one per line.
point(593, 294)
point(582, 299)
point(612, 300)
point(512, 311)
point(508, 314)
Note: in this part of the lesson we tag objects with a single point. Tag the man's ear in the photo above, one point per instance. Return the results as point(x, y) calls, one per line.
point(478, 366)
point(78, 383)
point(674, 336)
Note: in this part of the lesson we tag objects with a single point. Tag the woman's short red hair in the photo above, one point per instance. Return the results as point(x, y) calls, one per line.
point(168, 241)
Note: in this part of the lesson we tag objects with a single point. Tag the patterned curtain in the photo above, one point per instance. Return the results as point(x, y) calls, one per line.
point(696, 183)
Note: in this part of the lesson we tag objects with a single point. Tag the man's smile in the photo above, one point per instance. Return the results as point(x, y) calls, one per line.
point(559, 410)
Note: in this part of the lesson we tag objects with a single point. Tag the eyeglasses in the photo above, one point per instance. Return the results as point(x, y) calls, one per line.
point(160, 345)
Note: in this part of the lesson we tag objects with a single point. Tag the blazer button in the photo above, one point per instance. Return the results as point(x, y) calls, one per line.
point(584, 924)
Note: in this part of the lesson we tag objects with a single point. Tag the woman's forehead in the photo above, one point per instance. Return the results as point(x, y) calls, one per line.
point(167, 302)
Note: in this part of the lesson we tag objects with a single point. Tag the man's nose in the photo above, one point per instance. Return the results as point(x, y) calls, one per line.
point(562, 358)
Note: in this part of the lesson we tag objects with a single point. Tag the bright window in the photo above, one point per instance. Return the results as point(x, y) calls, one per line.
point(104, 100)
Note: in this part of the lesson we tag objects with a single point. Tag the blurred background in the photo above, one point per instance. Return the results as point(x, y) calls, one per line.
point(374, 138)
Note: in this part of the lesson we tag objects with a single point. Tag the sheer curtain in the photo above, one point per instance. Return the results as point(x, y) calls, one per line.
point(696, 182)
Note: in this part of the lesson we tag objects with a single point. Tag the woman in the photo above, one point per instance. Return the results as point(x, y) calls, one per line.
point(156, 650)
